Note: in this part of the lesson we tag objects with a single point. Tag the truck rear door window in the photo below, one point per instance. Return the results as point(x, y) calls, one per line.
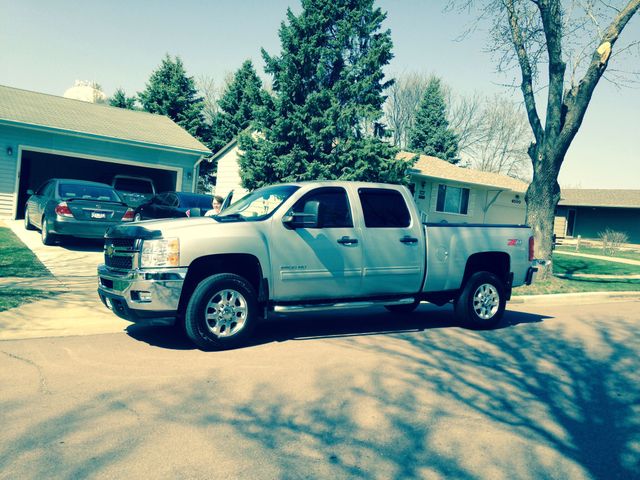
point(384, 208)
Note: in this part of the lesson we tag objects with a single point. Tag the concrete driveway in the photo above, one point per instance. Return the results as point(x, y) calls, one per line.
point(76, 309)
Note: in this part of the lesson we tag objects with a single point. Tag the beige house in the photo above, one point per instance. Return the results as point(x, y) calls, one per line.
point(228, 171)
point(447, 193)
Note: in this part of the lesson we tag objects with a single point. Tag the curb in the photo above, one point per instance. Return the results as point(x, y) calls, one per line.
point(576, 298)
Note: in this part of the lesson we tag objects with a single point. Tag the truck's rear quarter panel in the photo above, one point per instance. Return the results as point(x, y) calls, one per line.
point(450, 246)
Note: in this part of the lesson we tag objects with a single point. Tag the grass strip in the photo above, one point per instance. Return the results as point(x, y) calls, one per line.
point(562, 285)
point(568, 265)
point(16, 259)
point(14, 297)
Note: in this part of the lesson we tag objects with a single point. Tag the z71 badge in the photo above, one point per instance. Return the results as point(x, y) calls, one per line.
point(514, 242)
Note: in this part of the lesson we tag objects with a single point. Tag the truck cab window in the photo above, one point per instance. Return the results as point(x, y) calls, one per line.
point(333, 207)
point(384, 208)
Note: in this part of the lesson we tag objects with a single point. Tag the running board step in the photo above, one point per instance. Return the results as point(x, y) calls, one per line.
point(316, 307)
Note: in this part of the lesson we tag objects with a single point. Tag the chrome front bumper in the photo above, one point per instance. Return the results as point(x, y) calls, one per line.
point(142, 295)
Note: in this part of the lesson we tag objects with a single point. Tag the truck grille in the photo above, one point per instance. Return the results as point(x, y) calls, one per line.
point(118, 261)
point(119, 253)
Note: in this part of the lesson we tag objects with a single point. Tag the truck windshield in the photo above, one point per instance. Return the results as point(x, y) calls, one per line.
point(257, 205)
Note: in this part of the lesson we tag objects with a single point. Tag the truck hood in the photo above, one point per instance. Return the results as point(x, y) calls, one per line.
point(175, 227)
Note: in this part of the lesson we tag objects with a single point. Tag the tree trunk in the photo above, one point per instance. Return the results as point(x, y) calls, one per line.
point(542, 197)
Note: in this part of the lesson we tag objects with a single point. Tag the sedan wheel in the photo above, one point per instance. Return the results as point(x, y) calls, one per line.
point(27, 222)
point(47, 238)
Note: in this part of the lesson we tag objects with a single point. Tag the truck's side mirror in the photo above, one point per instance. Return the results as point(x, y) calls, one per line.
point(306, 219)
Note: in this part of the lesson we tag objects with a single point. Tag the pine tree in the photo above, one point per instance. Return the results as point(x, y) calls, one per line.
point(121, 100)
point(430, 133)
point(328, 84)
point(239, 105)
point(171, 92)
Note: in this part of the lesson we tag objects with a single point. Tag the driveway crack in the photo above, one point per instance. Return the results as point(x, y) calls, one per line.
point(43, 381)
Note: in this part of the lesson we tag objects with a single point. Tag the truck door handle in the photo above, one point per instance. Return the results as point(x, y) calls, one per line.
point(347, 241)
point(407, 239)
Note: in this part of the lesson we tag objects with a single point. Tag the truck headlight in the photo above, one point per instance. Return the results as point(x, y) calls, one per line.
point(164, 252)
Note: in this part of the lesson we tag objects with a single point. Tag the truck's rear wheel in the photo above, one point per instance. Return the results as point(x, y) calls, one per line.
point(221, 312)
point(482, 301)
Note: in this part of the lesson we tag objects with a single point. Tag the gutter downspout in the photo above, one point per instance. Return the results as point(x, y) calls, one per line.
point(488, 206)
point(196, 171)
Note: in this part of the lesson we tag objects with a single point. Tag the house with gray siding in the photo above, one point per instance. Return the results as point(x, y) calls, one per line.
point(45, 136)
point(587, 212)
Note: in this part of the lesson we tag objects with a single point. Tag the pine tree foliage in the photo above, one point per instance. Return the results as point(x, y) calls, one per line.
point(171, 92)
point(430, 134)
point(328, 84)
point(120, 100)
point(241, 102)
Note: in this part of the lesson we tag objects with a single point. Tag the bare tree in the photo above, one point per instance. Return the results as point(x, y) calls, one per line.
point(210, 92)
point(403, 98)
point(497, 141)
point(541, 37)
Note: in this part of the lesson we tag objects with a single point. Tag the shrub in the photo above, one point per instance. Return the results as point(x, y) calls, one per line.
point(612, 241)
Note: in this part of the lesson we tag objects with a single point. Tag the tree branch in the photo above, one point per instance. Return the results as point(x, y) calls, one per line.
point(550, 12)
point(525, 67)
point(578, 97)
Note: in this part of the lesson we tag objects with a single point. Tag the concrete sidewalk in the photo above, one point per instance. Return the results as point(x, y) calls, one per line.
point(74, 307)
point(628, 261)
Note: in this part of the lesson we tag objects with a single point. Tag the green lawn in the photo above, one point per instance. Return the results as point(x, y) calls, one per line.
point(16, 260)
point(632, 255)
point(565, 264)
point(562, 285)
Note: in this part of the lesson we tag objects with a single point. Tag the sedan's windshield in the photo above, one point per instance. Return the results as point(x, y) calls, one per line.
point(257, 205)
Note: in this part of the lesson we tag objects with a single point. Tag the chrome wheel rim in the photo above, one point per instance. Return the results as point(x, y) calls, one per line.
point(486, 301)
point(226, 313)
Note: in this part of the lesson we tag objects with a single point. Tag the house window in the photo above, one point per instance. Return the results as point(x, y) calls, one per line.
point(452, 200)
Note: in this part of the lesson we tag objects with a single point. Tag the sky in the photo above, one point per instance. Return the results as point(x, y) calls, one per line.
point(46, 45)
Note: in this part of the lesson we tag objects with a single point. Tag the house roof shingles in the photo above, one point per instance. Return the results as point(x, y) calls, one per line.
point(50, 111)
point(583, 197)
point(437, 168)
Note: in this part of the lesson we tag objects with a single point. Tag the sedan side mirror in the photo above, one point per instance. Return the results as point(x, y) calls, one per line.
point(194, 212)
point(29, 192)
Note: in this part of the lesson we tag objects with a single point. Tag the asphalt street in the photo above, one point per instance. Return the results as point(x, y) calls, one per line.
point(554, 393)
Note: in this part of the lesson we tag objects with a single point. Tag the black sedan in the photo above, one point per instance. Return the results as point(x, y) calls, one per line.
point(174, 205)
point(75, 208)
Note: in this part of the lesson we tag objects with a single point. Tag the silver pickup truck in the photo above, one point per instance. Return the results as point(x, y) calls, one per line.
point(308, 246)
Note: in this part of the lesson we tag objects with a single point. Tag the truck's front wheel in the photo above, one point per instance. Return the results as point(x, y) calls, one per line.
point(221, 312)
point(482, 301)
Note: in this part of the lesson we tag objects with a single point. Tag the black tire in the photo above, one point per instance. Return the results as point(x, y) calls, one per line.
point(27, 223)
point(47, 238)
point(216, 292)
point(481, 303)
point(404, 308)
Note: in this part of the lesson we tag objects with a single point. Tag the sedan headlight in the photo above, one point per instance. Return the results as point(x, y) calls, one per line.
point(164, 252)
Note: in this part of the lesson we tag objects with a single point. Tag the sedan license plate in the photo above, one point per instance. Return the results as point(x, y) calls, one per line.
point(98, 215)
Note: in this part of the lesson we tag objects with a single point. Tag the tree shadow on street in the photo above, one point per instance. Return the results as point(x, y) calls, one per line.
point(516, 403)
